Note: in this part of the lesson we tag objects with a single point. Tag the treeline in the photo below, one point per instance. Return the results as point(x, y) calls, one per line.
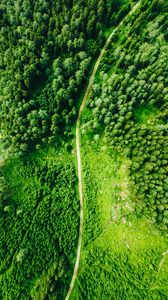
point(129, 102)
point(39, 219)
point(46, 53)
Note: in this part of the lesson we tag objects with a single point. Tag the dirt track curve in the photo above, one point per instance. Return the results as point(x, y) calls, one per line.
point(92, 77)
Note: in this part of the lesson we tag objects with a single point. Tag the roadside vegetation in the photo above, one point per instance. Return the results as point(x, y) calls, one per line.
point(122, 251)
point(48, 51)
point(124, 155)
point(128, 107)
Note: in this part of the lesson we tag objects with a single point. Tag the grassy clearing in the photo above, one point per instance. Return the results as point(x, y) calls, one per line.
point(110, 172)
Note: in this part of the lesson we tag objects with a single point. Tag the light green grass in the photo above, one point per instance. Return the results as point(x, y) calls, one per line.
point(102, 169)
point(111, 174)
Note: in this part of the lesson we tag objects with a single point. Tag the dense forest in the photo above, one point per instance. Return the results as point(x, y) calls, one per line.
point(46, 51)
point(47, 55)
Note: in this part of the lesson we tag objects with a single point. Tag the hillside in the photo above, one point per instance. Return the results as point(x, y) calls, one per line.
point(84, 150)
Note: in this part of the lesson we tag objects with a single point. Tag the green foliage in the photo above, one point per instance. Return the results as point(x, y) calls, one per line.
point(46, 50)
point(125, 153)
point(123, 257)
point(115, 273)
point(39, 227)
point(92, 225)
point(129, 103)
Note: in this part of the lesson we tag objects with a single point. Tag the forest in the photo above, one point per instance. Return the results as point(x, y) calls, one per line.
point(47, 48)
point(48, 52)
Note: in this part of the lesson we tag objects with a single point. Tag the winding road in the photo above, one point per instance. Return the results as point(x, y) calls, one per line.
point(92, 77)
